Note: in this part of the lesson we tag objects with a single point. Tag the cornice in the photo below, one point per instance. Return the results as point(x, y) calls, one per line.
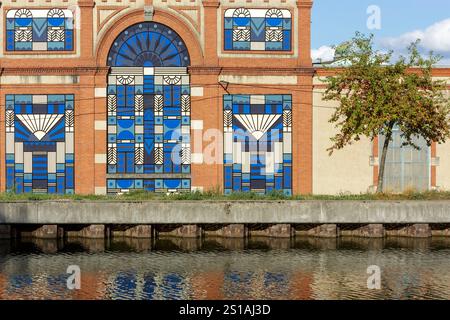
point(198, 70)
point(211, 3)
point(305, 4)
point(86, 3)
point(204, 70)
point(54, 71)
point(269, 71)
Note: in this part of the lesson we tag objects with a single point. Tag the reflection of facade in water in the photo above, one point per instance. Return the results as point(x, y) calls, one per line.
point(159, 286)
point(208, 285)
point(93, 286)
point(316, 272)
point(3, 285)
point(148, 286)
point(301, 286)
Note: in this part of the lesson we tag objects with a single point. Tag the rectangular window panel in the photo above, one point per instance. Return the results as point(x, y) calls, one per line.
point(406, 167)
point(257, 30)
point(149, 112)
point(257, 143)
point(40, 143)
point(39, 30)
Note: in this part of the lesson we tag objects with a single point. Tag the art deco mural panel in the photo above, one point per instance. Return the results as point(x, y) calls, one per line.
point(257, 143)
point(257, 29)
point(39, 30)
point(148, 111)
point(40, 143)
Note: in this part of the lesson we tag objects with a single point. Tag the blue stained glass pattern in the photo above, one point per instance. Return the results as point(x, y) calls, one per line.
point(39, 30)
point(40, 143)
point(257, 143)
point(162, 185)
point(148, 111)
point(257, 30)
point(148, 44)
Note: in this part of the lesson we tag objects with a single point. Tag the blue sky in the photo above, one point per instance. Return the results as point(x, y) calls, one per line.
point(334, 21)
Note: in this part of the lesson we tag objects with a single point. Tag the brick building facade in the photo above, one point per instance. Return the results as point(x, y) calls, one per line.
point(109, 96)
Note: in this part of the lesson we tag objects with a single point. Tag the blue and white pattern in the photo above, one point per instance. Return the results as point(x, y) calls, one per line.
point(39, 30)
point(148, 44)
point(257, 143)
point(151, 185)
point(40, 143)
point(149, 110)
point(257, 30)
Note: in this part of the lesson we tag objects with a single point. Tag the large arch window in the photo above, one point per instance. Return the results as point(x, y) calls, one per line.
point(148, 45)
point(148, 111)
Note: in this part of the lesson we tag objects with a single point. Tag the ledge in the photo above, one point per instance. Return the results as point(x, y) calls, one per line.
point(223, 212)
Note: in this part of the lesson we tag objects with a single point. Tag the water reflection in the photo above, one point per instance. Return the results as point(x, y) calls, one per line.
point(218, 268)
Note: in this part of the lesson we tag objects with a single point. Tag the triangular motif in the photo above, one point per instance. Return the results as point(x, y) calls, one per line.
point(39, 26)
point(257, 26)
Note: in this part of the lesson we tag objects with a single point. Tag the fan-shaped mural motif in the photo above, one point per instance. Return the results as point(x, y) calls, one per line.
point(148, 44)
point(40, 143)
point(257, 143)
point(39, 124)
point(257, 124)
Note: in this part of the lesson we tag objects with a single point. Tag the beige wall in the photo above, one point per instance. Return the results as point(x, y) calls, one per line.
point(443, 169)
point(347, 170)
point(443, 154)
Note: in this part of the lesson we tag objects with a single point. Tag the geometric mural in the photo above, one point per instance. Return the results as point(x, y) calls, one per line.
point(40, 143)
point(148, 100)
point(257, 29)
point(257, 143)
point(39, 30)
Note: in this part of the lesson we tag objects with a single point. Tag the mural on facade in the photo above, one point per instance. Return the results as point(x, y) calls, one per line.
point(257, 143)
point(39, 30)
point(40, 143)
point(257, 29)
point(149, 109)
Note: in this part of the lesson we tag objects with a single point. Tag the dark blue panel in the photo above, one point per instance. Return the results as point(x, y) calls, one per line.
point(228, 39)
point(149, 44)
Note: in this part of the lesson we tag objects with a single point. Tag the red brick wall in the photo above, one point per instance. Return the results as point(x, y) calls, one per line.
point(206, 67)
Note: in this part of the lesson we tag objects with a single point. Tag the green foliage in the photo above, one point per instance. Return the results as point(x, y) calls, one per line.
point(375, 94)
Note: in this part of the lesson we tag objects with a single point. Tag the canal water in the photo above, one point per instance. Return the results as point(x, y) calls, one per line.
point(214, 268)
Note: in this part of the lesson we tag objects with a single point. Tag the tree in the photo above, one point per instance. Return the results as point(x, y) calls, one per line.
point(375, 94)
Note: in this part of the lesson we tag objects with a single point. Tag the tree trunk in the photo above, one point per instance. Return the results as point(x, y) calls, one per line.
point(383, 162)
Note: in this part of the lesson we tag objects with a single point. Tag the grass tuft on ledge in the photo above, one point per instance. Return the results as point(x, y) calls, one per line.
point(217, 195)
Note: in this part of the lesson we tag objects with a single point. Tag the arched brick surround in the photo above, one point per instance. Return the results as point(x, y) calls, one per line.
point(161, 16)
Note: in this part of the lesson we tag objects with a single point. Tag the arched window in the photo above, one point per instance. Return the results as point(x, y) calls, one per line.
point(274, 25)
point(148, 111)
point(55, 25)
point(23, 28)
point(148, 45)
point(241, 25)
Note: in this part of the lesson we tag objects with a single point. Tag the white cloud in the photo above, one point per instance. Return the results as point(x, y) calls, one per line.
point(323, 54)
point(436, 37)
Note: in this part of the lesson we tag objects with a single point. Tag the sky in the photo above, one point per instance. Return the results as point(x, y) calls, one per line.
point(400, 23)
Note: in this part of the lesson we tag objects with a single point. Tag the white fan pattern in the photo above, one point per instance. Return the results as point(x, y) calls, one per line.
point(39, 124)
point(257, 124)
